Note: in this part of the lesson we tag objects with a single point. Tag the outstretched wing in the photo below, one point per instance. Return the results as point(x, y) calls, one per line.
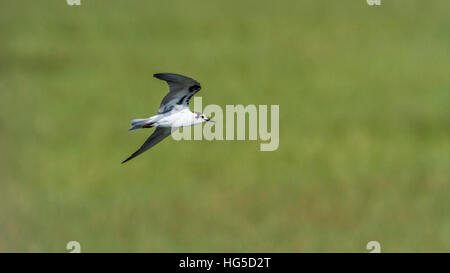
point(181, 90)
point(159, 134)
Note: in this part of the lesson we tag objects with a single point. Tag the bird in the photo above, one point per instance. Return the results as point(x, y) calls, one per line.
point(173, 111)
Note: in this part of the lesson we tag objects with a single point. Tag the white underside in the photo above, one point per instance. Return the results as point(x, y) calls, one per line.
point(179, 116)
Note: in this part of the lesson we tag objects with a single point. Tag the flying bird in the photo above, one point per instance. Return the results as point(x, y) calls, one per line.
point(173, 111)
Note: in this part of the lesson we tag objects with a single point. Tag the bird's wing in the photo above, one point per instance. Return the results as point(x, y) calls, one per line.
point(181, 90)
point(159, 134)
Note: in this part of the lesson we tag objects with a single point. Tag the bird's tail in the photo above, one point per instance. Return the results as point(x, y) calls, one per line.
point(140, 123)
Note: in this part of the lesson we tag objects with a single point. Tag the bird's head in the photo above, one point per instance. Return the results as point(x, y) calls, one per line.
point(200, 118)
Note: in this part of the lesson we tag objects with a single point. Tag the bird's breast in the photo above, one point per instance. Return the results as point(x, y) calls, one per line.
point(176, 119)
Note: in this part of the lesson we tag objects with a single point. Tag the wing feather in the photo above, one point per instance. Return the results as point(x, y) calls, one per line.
point(181, 90)
point(159, 134)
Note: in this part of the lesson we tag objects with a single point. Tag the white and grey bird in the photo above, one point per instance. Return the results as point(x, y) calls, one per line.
point(173, 112)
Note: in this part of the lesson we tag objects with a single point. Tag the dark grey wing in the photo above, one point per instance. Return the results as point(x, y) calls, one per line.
point(181, 88)
point(159, 134)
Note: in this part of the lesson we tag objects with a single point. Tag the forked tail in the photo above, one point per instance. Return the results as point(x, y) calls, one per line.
point(140, 123)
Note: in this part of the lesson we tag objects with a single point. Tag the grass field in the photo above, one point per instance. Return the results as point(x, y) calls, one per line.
point(364, 148)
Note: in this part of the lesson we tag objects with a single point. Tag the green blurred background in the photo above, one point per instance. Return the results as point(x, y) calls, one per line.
point(364, 147)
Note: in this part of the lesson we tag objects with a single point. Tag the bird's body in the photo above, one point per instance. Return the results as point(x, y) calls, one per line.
point(173, 112)
point(179, 116)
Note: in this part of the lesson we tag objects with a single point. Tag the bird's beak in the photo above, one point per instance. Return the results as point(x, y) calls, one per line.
point(210, 120)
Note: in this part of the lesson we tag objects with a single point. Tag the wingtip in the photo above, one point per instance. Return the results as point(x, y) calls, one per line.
point(158, 75)
point(126, 160)
point(131, 157)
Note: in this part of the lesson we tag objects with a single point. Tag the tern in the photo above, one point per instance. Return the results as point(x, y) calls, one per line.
point(173, 111)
